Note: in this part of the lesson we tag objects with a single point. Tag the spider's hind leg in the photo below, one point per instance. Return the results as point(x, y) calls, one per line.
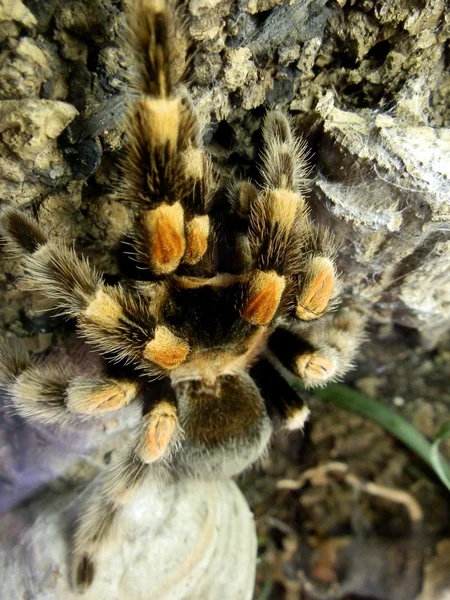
point(99, 520)
point(20, 235)
point(285, 163)
point(158, 435)
point(284, 405)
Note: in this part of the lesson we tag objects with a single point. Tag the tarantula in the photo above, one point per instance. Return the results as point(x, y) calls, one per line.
point(220, 290)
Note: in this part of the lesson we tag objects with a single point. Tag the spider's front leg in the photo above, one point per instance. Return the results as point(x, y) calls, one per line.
point(121, 324)
point(294, 265)
point(165, 172)
point(308, 250)
point(157, 432)
point(291, 260)
point(317, 347)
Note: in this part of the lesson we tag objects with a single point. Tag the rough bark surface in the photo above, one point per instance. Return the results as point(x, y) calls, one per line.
point(369, 85)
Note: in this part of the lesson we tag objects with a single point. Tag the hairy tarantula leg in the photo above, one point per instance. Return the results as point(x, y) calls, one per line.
point(285, 167)
point(323, 352)
point(47, 394)
point(117, 486)
point(315, 288)
point(158, 423)
point(98, 520)
point(284, 405)
point(280, 238)
point(199, 178)
point(37, 393)
point(165, 172)
point(279, 226)
point(262, 296)
point(157, 436)
point(285, 158)
point(262, 289)
point(316, 283)
point(241, 196)
point(125, 327)
point(116, 322)
point(98, 395)
point(66, 280)
point(200, 185)
point(20, 234)
point(288, 241)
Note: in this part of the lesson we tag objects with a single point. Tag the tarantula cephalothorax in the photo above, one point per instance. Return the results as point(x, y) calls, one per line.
point(221, 290)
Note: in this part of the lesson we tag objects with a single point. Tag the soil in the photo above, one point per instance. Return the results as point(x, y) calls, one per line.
point(323, 533)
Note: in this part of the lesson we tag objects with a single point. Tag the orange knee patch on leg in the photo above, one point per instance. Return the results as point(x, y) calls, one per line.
point(166, 349)
point(164, 227)
point(246, 197)
point(103, 310)
point(87, 396)
point(263, 297)
point(315, 368)
point(284, 208)
point(160, 425)
point(161, 120)
point(193, 160)
point(317, 290)
point(197, 231)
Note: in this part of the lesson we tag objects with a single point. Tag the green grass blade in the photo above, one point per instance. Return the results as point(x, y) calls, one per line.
point(358, 402)
point(437, 461)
